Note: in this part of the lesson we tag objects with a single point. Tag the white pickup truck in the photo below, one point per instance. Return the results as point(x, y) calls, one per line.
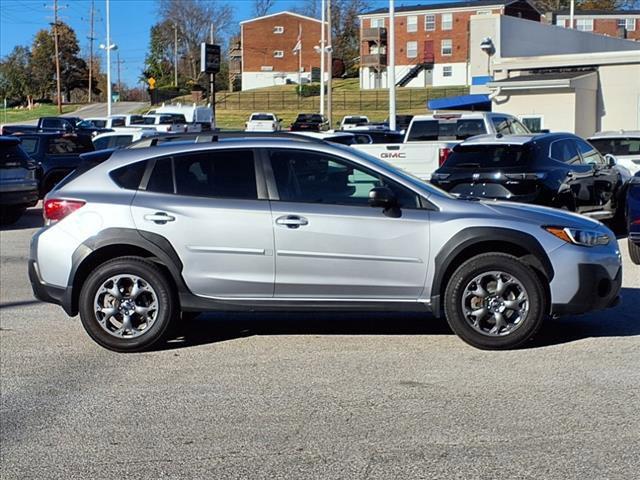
point(169, 123)
point(430, 138)
point(263, 122)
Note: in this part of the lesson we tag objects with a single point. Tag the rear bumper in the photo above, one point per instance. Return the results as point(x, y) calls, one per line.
point(28, 198)
point(597, 290)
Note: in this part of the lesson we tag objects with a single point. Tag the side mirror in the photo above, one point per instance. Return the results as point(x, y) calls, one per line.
point(382, 197)
point(611, 160)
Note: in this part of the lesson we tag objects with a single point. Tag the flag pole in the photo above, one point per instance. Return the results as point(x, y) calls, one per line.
point(391, 70)
point(300, 58)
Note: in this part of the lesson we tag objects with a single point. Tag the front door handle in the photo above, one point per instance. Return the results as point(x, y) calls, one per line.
point(292, 221)
point(159, 217)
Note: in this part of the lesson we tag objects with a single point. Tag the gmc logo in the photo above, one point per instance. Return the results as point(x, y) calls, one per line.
point(386, 155)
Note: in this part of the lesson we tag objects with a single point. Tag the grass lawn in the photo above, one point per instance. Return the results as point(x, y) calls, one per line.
point(45, 110)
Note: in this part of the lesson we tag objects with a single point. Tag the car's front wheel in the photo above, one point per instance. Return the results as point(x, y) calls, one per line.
point(127, 305)
point(494, 302)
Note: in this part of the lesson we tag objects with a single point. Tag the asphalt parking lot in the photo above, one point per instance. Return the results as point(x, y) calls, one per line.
point(324, 396)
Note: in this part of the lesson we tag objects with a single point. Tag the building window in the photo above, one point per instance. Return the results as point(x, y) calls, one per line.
point(429, 23)
point(447, 21)
point(584, 24)
point(412, 23)
point(278, 54)
point(377, 22)
point(561, 22)
point(446, 47)
point(412, 49)
point(278, 29)
point(447, 71)
point(629, 24)
point(535, 123)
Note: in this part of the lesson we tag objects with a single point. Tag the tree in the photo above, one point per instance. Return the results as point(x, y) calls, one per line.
point(15, 76)
point(345, 28)
point(159, 60)
point(607, 5)
point(262, 7)
point(193, 20)
point(43, 69)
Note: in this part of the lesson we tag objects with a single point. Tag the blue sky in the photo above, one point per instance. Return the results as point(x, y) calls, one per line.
point(130, 24)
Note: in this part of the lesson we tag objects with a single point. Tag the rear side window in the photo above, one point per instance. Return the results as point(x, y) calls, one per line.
point(53, 123)
point(501, 125)
point(122, 140)
point(30, 145)
point(489, 156)
point(69, 145)
point(129, 176)
point(564, 151)
point(99, 123)
point(216, 174)
point(101, 143)
point(590, 155)
point(617, 146)
point(117, 122)
point(136, 120)
point(11, 155)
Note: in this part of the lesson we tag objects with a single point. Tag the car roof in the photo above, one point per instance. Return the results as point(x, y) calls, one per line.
point(616, 134)
point(493, 139)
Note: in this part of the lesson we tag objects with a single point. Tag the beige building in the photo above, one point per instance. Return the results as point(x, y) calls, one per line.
point(557, 79)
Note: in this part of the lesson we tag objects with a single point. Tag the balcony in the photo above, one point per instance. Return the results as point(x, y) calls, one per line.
point(374, 60)
point(377, 34)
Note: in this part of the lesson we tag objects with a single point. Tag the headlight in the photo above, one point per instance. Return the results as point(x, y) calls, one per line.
point(586, 238)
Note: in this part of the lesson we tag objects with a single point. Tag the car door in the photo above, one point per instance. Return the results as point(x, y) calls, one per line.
point(330, 244)
point(211, 207)
point(605, 176)
point(577, 179)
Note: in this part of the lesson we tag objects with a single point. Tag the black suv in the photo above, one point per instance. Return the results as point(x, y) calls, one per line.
point(556, 169)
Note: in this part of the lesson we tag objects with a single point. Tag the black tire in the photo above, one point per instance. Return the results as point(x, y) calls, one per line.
point(167, 308)
point(511, 266)
point(634, 252)
point(10, 215)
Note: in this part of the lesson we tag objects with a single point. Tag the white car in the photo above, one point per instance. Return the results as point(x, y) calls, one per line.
point(353, 121)
point(117, 121)
point(623, 144)
point(119, 139)
point(201, 116)
point(168, 123)
point(263, 122)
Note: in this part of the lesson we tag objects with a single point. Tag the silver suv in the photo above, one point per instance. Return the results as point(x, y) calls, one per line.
point(250, 224)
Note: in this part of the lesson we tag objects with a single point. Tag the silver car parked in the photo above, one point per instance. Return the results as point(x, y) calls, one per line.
point(304, 224)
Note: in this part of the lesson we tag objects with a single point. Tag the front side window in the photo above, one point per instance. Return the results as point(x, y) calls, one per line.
point(30, 145)
point(429, 23)
point(518, 128)
point(501, 125)
point(589, 154)
point(584, 24)
point(216, 174)
point(446, 48)
point(412, 23)
point(117, 122)
point(412, 49)
point(564, 151)
point(309, 177)
point(447, 21)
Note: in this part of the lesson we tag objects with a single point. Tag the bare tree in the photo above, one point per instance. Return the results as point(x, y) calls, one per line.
point(193, 20)
point(310, 8)
point(262, 7)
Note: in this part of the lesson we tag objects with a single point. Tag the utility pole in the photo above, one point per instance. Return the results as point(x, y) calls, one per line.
point(175, 55)
point(330, 65)
point(108, 48)
point(119, 62)
point(322, 55)
point(55, 43)
point(91, 39)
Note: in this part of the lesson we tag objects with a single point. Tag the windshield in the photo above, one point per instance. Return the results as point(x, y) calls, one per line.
point(617, 146)
point(430, 130)
point(488, 156)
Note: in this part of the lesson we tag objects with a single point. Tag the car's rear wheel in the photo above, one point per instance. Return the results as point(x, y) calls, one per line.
point(494, 302)
point(634, 252)
point(127, 305)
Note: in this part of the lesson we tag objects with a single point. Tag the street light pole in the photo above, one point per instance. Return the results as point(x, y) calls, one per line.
point(322, 56)
point(108, 48)
point(330, 67)
point(391, 69)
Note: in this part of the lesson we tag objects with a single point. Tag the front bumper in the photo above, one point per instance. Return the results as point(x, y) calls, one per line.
point(28, 198)
point(596, 291)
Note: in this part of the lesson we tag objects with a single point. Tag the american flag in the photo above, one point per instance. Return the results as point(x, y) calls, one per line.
point(298, 46)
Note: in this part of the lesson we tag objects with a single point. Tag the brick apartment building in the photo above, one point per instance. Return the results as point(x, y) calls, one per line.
point(621, 23)
point(268, 45)
point(432, 41)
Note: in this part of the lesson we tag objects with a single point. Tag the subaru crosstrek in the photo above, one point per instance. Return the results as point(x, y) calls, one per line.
point(252, 224)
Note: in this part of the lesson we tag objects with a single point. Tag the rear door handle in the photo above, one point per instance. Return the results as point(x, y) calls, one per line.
point(159, 217)
point(292, 221)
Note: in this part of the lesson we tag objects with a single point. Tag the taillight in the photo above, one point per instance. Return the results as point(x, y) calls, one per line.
point(443, 154)
point(56, 209)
